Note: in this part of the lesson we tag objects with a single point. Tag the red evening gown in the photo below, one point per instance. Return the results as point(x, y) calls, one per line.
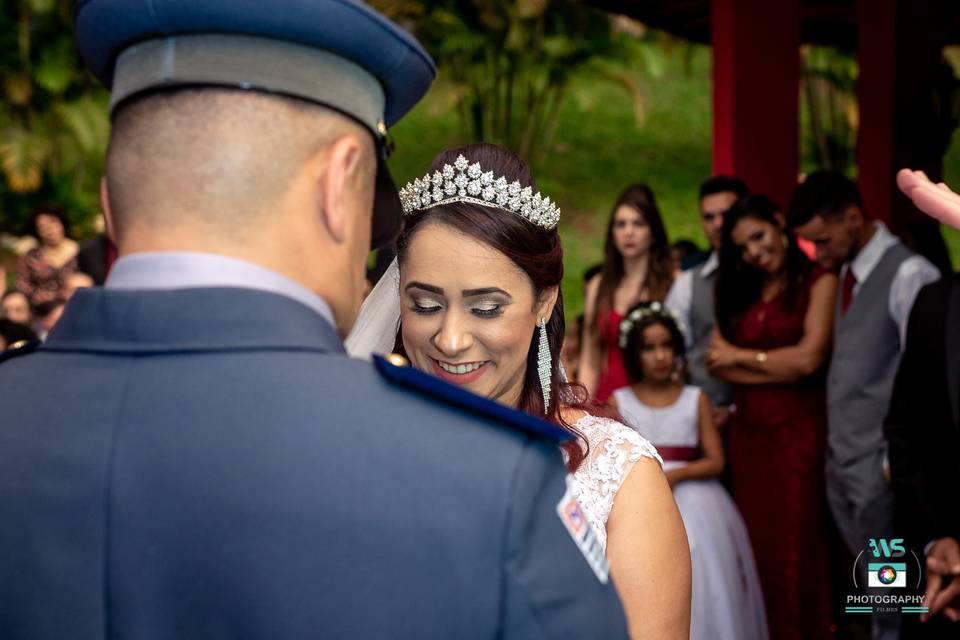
point(776, 452)
point(613, 374)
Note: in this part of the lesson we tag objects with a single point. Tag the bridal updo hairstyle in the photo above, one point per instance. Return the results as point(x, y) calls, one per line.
point(536, 251)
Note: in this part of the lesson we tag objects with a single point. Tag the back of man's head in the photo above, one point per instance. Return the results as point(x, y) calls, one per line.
point(723, 184)
point(219, 160)
point(825, 193)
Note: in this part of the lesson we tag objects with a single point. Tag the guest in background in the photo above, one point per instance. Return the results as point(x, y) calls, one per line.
point(42, 271)
point(691, 296)
point(16, 307)
point(727, 602)
point(881, 278)
point(96, 256)
point(46, 315)
point(76, 280)
point(13, 332)
point(636, 268)
point(774, 312)
point(923, 432)
point(686, 255)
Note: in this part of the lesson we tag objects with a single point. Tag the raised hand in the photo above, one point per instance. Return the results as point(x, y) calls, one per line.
point(936, 200)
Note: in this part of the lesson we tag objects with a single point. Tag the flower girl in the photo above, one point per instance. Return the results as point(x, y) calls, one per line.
point(727, 600)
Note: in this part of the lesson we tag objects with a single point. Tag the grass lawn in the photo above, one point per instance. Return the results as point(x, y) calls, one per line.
point(599, 149)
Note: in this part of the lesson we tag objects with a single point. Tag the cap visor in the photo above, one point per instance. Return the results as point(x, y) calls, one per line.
point(387, 210)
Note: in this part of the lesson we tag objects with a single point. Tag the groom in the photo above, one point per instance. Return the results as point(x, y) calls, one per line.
point(212, 465)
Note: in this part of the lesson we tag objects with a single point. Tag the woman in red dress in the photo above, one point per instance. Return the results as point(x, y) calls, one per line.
point(637, 267)
point(774, 329)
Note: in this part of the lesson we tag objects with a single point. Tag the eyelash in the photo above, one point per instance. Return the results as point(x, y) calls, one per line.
point(497, 310)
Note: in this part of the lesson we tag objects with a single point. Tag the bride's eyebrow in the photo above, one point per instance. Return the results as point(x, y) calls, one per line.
point(425, 287)
point(469, 293)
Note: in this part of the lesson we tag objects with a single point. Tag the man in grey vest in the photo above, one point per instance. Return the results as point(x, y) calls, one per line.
point(880, 278)
point(691, 296)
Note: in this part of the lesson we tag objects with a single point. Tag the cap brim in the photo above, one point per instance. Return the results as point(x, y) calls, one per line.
point(387, 210)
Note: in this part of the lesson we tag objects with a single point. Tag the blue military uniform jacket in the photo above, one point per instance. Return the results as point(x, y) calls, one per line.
point(207, 463)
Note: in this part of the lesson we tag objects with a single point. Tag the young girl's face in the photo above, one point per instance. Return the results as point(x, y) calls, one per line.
point(657, 354)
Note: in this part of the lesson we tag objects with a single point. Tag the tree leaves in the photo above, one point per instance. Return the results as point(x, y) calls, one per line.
point(22, 155)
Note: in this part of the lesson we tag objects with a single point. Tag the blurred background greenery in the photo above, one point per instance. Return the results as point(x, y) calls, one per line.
point(593, 101)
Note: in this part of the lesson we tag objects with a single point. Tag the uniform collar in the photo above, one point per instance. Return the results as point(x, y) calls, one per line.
point(191, 270)
point(188, 321)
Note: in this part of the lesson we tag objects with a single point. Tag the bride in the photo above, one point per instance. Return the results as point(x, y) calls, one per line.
point(476, 288)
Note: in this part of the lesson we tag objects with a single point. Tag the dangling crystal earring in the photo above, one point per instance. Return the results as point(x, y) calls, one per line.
point(544, 364)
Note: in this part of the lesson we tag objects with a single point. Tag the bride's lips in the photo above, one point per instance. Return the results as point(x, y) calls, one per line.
point(458, 378)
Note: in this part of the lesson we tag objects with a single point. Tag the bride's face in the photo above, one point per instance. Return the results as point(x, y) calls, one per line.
point(468, 313)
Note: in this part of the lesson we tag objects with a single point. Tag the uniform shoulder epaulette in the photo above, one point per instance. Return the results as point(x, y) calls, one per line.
point(398, 371)
point(21, 348)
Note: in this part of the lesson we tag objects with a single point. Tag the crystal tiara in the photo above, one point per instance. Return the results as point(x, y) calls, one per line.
point(465, 182)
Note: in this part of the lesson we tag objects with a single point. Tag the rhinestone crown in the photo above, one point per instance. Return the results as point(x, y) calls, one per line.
point(465, 182)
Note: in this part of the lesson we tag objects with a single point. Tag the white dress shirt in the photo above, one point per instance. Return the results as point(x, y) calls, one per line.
point(192, 270)
point(680, 297)
point(913, 273)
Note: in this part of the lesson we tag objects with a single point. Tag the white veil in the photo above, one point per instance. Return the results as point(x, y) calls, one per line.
point(375, 330)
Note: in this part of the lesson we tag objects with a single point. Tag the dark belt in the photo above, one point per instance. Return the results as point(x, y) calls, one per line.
point(678, 454)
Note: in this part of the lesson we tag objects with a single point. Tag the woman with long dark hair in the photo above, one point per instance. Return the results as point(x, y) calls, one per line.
point(774, 328)
point(637, 267)
point(479, 266)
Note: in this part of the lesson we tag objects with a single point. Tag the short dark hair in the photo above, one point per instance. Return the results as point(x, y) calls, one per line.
point(721, 184)
point(48, 210)
point(634, 344)
point(825, 193)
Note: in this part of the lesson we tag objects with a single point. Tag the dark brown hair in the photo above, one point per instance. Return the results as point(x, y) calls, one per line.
point(640, 198)
point(537, 252)
point(739, 285)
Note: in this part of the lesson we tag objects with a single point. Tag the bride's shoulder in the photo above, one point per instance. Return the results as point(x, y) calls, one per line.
point(606, 435)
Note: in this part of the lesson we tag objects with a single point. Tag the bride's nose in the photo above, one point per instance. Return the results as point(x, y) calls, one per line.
point(454, 336)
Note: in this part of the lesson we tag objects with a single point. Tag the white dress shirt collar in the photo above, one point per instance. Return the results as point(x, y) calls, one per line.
point(871, 253)
point(710, 265)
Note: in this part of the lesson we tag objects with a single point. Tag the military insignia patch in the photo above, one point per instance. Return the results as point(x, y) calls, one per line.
point(575, 520)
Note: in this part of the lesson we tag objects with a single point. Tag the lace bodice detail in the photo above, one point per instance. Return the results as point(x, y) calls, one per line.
point(614, 449)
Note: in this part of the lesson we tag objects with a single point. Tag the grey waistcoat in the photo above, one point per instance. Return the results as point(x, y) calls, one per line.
point(701, 325)
point(866, 352)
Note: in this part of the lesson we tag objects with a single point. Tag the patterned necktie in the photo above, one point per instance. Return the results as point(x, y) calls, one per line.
point(846, 296)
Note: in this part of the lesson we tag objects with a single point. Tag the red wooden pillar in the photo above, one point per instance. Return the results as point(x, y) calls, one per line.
point(756, 72)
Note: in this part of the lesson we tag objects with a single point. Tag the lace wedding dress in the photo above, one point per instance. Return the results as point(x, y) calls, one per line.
point(614, 449)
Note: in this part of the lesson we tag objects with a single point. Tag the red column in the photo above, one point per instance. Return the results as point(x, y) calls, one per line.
point(756, 72)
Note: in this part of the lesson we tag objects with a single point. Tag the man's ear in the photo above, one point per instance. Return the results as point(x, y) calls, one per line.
point(853, 216)
point(107, 211)
point(337, 168)
point(780, 220)
point(548, 300)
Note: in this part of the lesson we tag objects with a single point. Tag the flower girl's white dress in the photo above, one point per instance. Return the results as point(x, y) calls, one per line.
point(727, 599)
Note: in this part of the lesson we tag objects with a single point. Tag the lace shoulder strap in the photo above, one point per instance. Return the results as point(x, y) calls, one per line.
point(614, 449)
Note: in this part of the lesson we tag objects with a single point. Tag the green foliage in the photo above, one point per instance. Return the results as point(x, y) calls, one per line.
point(54, 125)
point(507, 66)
